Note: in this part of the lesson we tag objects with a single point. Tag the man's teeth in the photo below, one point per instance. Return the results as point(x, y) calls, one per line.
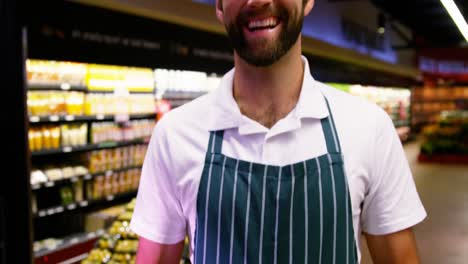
point(270, 22)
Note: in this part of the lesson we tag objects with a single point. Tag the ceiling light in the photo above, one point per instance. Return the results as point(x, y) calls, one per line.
point(457, 17)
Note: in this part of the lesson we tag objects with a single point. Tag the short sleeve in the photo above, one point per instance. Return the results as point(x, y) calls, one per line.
point(158, 212)
point(392, 202)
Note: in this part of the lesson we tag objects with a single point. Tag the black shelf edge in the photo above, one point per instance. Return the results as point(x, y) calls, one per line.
point(71, 241)
point(90, 147)
point(56, 87)
point(89, 176)
point(108, 200)
point(83, 118)
point(109, 92)
point(77, 88)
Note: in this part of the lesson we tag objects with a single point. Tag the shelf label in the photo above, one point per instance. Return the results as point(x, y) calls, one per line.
point(91, 235)
point(84, 203)
point(110, 197)
point(88, 177)
point(121, 118)
point(100, 232)
point(50, 211)
point(109, 173)
point(49, 184)
point(54, 118)
point(71, 206)
point(74, 240)
point(65, 86)
point(67, 149)
point(73, 179)
point(59, 209)
point(36, 186)
point(34, 119)
point(41, 213)
point(100, 116)
point(69, 117)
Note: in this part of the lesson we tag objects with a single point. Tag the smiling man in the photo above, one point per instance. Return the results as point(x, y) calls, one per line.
point(273, 166)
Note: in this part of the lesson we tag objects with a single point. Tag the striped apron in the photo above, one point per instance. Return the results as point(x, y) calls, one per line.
point(255, 213)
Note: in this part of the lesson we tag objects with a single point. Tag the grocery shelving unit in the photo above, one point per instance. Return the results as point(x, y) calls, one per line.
point(62, 33)
point(429, 101)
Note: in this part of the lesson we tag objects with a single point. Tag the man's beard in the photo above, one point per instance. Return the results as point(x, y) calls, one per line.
point(266, 51)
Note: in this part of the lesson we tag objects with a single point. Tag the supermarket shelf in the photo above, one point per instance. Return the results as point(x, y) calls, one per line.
point(78, 88)
point(105, 145)
point(110, 92)
point(73, 179)
point(439, 100)
point(176, 95)
point(444, 158)
point(85, 205)
point(70, 241)
point(426, 113)
point(57, 87)
point(401, 123)
point(83, 118)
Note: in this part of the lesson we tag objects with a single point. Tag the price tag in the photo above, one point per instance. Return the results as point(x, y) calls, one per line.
point(110, 197)
point(49, 184)
point(65, 86)
point(109, 173)
point(74, 179)
point(91, 235)
point(35, 186)
point(50, 211)
point(41, 213)
point(54, 118)
point(84, 203)
point(69, 117)
point(59, 209)
point(67, 149)
point(100, 232)
point(34, 119)
point(71, 206)
point(88, 177)
point(74, 240)
point(100, 116)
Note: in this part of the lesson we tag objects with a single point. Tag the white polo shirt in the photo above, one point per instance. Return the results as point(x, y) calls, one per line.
point(383, 194)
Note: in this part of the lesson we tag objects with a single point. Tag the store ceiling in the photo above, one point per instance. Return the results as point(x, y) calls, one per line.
point(429, 20)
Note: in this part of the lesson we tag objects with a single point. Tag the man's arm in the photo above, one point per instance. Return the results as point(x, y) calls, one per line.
point(150, 252)
point(395, 248)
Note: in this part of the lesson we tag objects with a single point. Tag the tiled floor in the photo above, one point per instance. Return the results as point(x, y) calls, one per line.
point(443, 236)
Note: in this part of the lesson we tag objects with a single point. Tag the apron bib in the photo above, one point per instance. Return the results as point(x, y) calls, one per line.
point(256, 213)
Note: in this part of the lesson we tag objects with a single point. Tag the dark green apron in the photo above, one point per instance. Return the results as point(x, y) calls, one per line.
point(256, 213)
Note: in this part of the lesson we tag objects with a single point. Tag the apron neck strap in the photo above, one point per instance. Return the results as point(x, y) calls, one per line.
point(215, 144)
point(216, 141)
point(329, 131)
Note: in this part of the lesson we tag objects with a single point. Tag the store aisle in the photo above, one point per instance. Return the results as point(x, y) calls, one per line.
point(443, 236)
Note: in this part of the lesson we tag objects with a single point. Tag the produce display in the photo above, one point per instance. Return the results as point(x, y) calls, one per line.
point(117, 158)
point(109, 104)
point(56, 136)
point(448, 136)
point(119, 244)
point(42, 72)
point(41, 103)
point(177, 81)
point(111, 131)
point(430, 101)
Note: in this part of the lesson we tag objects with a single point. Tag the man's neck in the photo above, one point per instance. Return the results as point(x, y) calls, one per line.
point(268, 94)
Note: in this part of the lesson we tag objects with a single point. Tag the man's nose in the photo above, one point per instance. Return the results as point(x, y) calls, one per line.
point(258, 3)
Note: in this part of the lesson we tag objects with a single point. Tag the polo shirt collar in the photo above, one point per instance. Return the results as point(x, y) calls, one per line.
point(226, 113)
